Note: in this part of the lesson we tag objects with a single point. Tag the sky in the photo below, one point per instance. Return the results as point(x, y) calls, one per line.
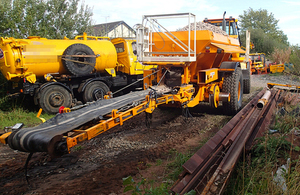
point(131, 11)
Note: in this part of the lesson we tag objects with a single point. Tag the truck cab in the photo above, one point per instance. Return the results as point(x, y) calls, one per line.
point(127, 57)
point(231, 25)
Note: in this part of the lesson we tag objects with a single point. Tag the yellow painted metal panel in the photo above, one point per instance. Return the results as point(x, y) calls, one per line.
point(208, 75)
point(276, 68)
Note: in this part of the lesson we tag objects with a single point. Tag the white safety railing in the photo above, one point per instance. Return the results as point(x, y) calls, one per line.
point(144, 35)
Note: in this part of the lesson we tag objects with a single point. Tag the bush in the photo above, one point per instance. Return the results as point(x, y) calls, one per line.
point(281, 56)
point(295, 59)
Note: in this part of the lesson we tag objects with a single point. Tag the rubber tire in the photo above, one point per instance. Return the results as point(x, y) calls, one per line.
point(231, 84)
point(89, 93)
point(53, 97)
point(79, 69)
point(247, 86)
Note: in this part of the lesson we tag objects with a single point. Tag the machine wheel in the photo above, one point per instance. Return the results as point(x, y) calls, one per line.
point(79, 68)
point(246, 86)
point(233, 84)
point(53, 97)
point(246, 81)
point(95, 91)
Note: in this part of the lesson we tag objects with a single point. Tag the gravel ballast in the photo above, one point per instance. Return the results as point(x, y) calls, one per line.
point(205, 26)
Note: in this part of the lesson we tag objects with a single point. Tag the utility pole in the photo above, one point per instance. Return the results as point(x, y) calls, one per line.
point(106, 24)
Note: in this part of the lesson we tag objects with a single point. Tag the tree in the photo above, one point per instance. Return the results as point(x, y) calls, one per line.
point(34, 19)
point(45, 18)
point(84, 12)
point(265, 33)
point(259, 20)
point(5, 7)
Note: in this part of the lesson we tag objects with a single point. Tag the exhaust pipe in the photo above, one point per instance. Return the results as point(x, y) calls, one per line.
point(264, 100)
point(224, 22)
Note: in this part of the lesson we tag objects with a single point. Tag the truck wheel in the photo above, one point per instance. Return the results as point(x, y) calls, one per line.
point(94, 91)
point(233, 84)
point(76, 68)
point(53, 97)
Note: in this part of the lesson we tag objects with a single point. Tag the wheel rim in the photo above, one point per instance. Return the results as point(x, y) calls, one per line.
point(80, 59)
point(98, 94)
point(56, 99)
point(239, 92)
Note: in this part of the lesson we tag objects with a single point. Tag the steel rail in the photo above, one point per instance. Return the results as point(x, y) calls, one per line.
point(209, 169)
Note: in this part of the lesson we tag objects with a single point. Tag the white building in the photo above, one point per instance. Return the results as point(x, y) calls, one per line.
point(114, 29)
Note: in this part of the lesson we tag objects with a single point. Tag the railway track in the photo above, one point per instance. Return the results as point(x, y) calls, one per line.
point(209, 169)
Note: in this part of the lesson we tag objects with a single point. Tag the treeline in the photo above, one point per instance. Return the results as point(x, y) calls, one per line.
point(295, 59)
point(268, 38)
point(265, 33)
point(46, 18)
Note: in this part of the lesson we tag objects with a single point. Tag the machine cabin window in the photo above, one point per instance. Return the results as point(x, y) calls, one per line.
point(120, 47)
point(134, 48)
point(230, 27)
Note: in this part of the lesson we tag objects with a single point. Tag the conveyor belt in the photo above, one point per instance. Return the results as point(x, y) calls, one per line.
point(44, 137)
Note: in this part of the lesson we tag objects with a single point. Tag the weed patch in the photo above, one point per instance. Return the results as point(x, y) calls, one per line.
point(20, 115)
point(176, 165)
point(256, 173)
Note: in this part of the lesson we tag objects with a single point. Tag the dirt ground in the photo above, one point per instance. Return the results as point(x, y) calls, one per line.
point(98, 166)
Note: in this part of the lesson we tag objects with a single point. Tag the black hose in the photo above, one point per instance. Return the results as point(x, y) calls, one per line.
point(26, 165)
point(186, 112)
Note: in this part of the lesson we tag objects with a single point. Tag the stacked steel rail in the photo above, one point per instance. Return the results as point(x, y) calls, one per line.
point(209, 169)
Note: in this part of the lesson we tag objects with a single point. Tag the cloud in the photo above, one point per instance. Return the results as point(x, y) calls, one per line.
point(292, 3)
point(295, 30)
point(285, 19)
point(131, 11)
point(293, 34)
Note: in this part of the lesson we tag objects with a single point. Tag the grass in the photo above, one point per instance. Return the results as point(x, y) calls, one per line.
point(276, 74)
point(176, 165)
point(158, 162)
point(173, 169)
point(18, 110)
point(295, 77)
point(77, 148)
point(145, 186)
point(255, 172)
point(19, 115)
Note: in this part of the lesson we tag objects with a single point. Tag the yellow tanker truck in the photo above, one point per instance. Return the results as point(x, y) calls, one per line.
point(64, 72)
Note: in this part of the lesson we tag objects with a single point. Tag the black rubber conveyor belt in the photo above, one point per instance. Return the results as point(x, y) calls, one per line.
point(43, 137)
